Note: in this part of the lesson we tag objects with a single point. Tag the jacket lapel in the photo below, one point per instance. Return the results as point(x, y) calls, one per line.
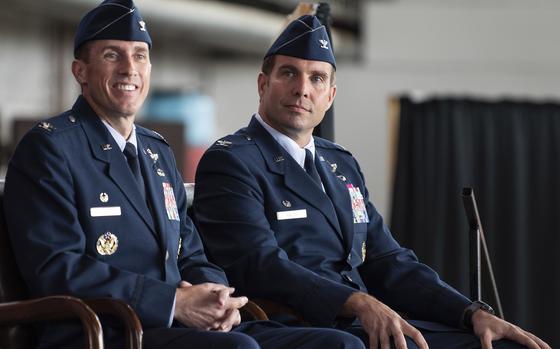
point(335, 187)
point(154, 187)
point(104, 148)
point(295, 178)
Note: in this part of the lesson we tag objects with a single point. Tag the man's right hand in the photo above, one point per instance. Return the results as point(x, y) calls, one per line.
point(381, 323)
point(207, 306)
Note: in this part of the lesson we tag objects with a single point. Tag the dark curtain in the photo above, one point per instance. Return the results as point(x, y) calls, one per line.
point(509, 152)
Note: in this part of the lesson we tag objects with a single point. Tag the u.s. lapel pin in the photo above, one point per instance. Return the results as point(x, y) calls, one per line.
point(103, 197)
point(333, 167)
point(286, 203)
point(160, 172)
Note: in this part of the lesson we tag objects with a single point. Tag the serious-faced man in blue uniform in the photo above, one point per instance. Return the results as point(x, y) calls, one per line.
point(288, 216)
point(96, 208)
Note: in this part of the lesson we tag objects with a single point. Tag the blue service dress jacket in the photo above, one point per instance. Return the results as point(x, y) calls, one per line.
point(279, 236)
point(80, 226)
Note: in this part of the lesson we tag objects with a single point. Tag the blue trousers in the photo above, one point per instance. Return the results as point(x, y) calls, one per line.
point(252, 335)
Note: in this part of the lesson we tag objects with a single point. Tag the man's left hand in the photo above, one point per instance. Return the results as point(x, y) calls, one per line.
point(490, 328)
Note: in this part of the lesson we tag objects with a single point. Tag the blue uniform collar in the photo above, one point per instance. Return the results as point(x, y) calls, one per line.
point(121, 141)
point(289, 145)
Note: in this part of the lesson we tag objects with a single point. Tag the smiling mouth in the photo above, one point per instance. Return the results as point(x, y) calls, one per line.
point(125, 87)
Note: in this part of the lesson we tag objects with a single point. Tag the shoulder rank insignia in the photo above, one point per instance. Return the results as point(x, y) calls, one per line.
point(159, 135)
point(45, 125)
point(223, 143)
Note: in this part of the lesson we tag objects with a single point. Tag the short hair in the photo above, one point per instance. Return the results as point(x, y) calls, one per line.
point(268, 65)
point(82, 52)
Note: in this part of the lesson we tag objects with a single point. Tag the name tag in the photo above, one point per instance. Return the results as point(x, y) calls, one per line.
point(295, 214)
point(106, 211)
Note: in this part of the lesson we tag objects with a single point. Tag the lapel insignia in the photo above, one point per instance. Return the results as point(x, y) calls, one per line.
point(279, 158)
point(160, 172)
point(72, 118)
point(107, 244)
point(363, 251)
point(46, 126)
point(153, 156)
point(106, 147)
point(342, 178)
point(103, 197)
point(223, 143)
point(286, 203)
point(333, 167)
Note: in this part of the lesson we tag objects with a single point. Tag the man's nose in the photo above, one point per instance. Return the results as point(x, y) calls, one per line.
point(128, 66)
point(301, 86)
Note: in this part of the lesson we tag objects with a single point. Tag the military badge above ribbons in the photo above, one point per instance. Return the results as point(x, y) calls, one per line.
point(170, 203)
point(359, 211)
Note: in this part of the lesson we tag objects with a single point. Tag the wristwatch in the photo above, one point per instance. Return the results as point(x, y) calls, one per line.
point(469, 311)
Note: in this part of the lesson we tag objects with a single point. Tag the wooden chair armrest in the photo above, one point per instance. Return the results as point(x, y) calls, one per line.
point(54, 308)
point(132, 326)
point(253, 311)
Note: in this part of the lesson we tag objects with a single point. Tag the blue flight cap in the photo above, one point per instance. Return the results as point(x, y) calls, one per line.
point(112, 20)
point(304, 38)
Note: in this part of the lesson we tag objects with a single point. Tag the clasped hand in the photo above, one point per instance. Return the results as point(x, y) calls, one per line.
point(208, 306)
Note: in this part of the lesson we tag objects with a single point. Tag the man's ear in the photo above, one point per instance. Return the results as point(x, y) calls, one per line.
point(332, 95)
point(262, 81)
point(79, 70)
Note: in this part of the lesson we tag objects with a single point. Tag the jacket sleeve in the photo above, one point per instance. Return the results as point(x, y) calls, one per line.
point(192, 262)
point(229, 211)
point(50, 244)
point(394, 275)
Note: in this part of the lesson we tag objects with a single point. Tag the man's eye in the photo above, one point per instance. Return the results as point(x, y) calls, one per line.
point(288, 73)
point(110, 55)
point(318, 78)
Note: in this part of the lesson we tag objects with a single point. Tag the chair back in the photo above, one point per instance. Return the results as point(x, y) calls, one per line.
point(12, 288)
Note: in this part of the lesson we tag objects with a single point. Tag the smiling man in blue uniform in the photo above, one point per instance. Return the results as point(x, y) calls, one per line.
point(288, 216)
point(96, 208)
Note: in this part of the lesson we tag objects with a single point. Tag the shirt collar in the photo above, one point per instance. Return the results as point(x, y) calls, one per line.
point(297, 153)
point(121, 141)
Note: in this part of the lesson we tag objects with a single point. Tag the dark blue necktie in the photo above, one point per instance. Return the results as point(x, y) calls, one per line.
point(132, 159)
point(310, 167)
